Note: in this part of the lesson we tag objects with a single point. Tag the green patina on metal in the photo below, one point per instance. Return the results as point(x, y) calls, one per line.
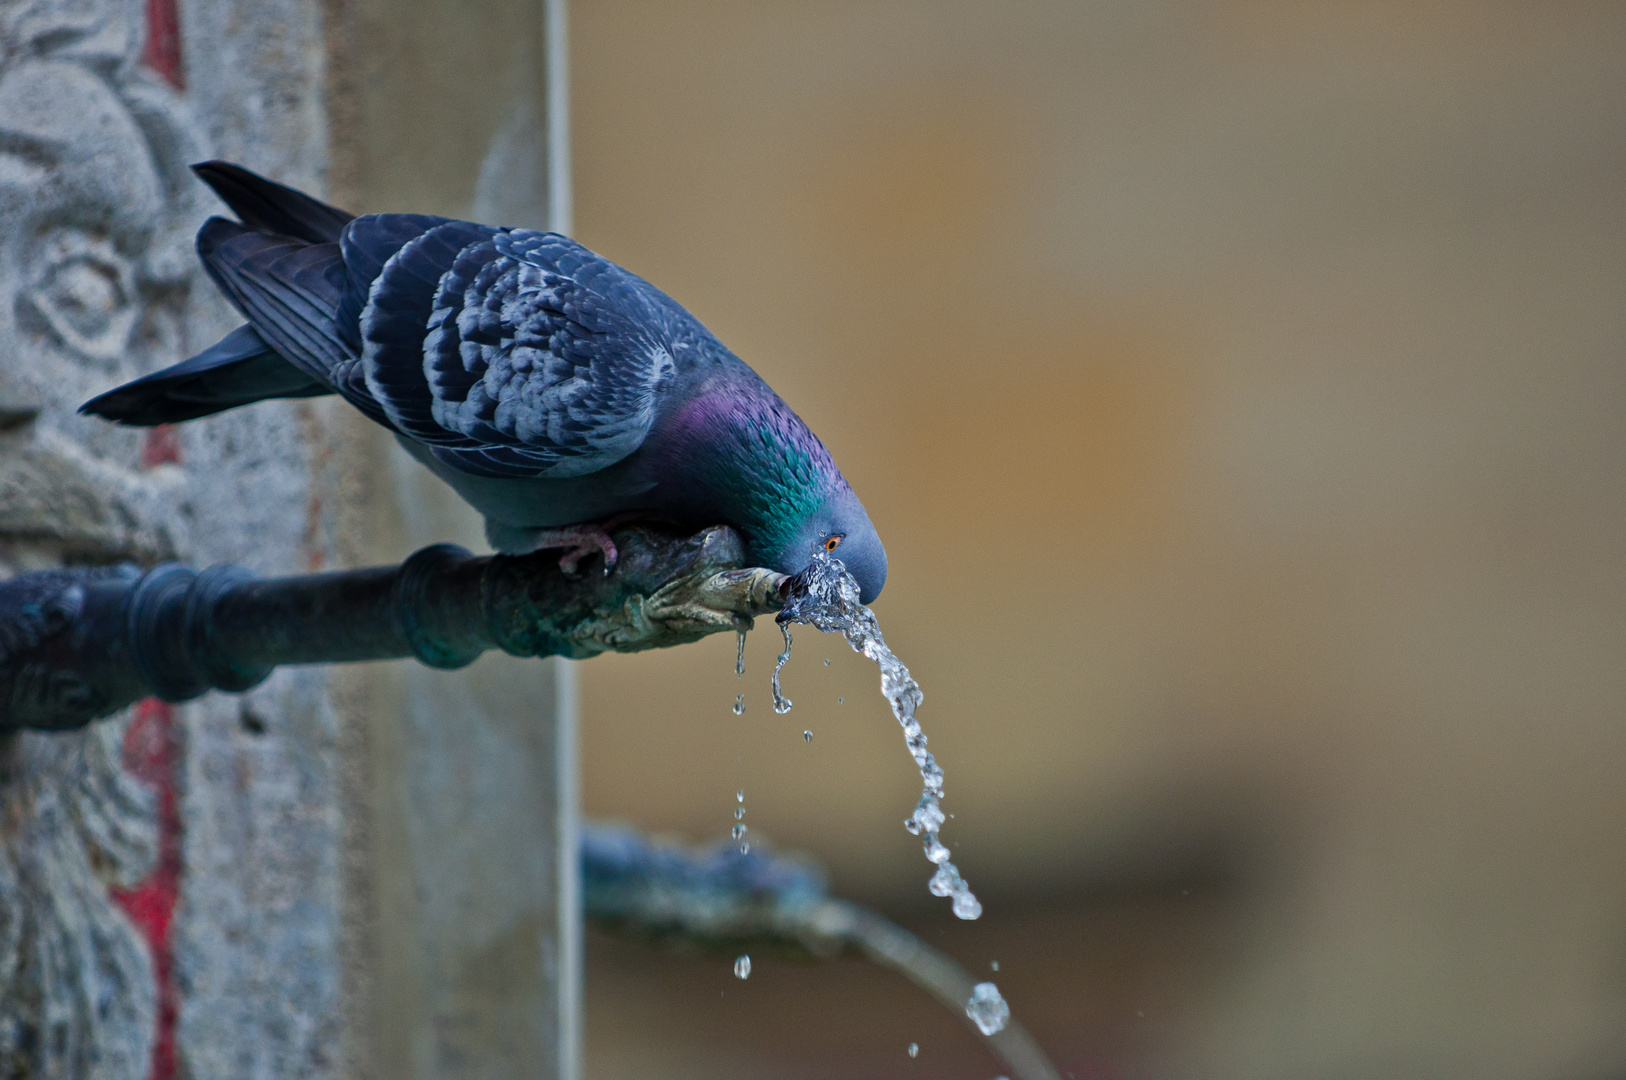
point(79, 645)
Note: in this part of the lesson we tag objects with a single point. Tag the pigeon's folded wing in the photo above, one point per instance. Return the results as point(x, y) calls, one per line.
point(513, 352)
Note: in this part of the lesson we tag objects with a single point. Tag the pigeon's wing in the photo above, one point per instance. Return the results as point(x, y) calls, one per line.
point(513, 352)
point(304, 299)
point(240, 369)
point(267, 206)
point(287, 289)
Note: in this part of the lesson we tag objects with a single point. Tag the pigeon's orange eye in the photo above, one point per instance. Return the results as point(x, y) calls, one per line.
point(832, 543)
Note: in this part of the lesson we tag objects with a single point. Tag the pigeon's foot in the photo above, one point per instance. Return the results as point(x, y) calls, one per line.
point(579, 541)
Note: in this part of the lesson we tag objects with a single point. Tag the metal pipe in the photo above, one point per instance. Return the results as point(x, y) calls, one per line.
point(722, 900)
point(79, 644)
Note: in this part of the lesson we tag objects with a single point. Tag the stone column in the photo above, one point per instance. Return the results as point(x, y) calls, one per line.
point(170, 880)
point(465, 930)
point(338, 873)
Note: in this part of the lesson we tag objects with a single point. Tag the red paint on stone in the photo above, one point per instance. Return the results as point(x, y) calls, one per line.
point(151, 747)
point(163, 49)
point(161, 447)
point(152, 756)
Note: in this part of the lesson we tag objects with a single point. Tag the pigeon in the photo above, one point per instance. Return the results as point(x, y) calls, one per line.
point(559, 394)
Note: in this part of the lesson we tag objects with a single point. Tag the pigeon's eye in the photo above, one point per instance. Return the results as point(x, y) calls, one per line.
point(832, 542)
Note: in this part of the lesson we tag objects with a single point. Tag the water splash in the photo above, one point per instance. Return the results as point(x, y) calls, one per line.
point(826, 596)
point(987, 1009)
point(742, 968)
point(781, 703)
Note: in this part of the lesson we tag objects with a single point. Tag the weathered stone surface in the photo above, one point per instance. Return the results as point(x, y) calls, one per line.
point(353, 874)
point(459, 793)
point(98, 284)
point(77, 997)
point(53, 499)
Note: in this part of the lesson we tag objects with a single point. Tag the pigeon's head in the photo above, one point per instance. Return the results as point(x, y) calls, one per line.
point(841, 527)
point(737, 453)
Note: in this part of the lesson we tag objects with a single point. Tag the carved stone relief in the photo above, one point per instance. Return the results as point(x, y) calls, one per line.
point(76, 980)
point(95, 275)
point(57, 507)
point(95, 279)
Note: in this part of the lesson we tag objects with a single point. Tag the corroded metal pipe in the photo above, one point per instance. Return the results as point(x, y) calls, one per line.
point(78, 644)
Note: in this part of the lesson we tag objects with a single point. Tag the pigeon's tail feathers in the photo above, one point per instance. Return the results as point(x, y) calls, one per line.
point(271, 207)
point(287, 289)
point(238, 370)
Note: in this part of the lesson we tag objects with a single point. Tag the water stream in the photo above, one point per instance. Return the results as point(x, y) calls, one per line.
point(826, 597)
point(781, 703)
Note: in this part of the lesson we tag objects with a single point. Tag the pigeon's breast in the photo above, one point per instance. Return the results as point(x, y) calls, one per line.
point(544, 503)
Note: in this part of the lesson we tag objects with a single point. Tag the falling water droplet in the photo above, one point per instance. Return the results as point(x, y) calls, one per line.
point(827, 663)
point(995, 965)
point(739, 704)
point(966, 906)
point(742, 968)
point(745, 848)
point(739, 830)
point(914, 1049)
point(739, 812)
point(739, 658)
point(987, 1009)
point(807, 736)
point(739, 796)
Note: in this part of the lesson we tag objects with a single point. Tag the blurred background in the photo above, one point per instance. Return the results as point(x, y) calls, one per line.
point(1237, 388)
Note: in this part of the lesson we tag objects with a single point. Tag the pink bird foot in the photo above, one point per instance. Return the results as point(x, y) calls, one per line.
point(580, 541)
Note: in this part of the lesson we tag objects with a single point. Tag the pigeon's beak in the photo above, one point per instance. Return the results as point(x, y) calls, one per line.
point(870, 589)
point(865, 560)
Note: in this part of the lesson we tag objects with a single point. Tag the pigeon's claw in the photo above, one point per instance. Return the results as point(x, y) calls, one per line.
point(579, 541)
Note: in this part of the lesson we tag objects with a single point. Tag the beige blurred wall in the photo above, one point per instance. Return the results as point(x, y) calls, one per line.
point(1237, 387)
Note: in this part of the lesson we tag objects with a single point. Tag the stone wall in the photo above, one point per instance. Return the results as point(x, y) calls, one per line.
point(456, 805)
point(347, 873)
point(169, 881)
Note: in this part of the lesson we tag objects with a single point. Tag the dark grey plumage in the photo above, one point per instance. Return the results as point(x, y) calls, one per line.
point(549, 386)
